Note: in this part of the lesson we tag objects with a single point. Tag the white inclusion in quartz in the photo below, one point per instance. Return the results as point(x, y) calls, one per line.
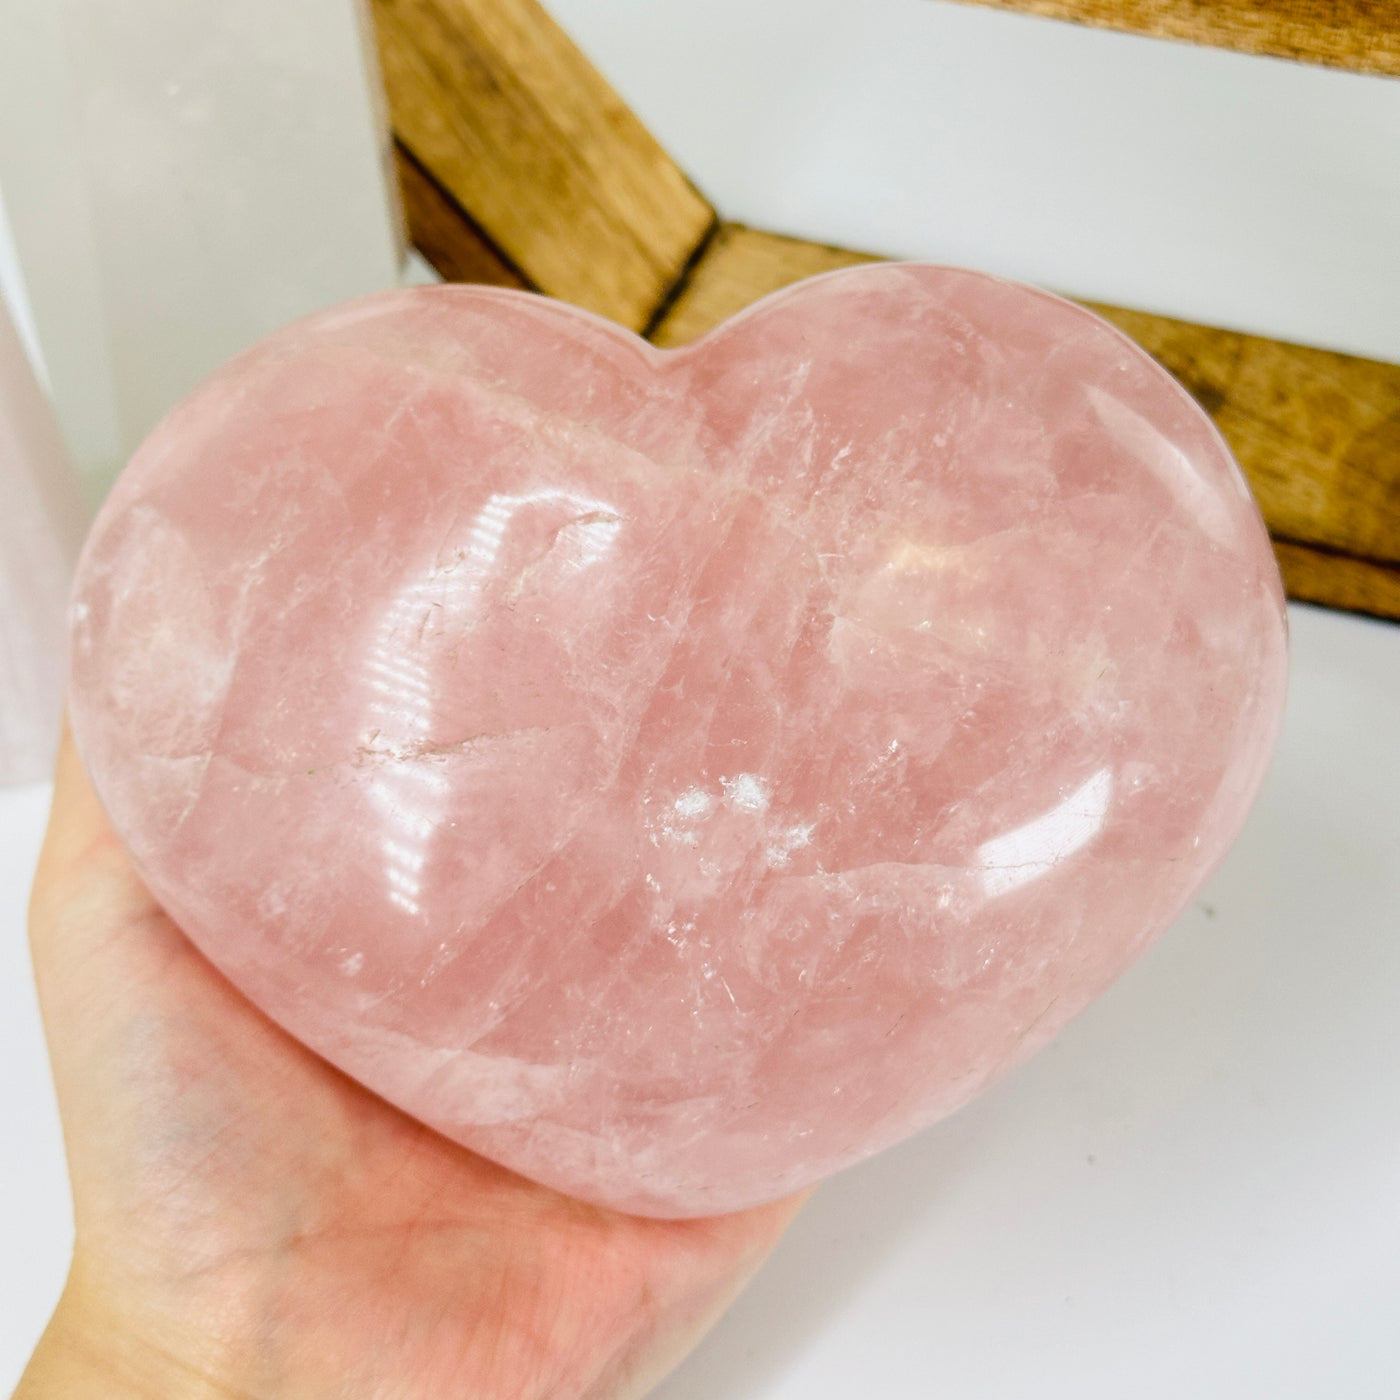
point(746, 791)
point(1035, 849)
point(693, 804)
point(780, 849)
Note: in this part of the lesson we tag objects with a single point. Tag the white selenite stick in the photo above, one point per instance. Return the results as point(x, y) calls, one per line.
point(181, 179)
point(41, 525)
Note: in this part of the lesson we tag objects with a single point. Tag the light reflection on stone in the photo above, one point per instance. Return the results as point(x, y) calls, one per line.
point(1017, 857)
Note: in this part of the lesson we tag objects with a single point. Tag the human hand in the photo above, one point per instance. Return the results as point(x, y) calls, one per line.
point(251, 1223)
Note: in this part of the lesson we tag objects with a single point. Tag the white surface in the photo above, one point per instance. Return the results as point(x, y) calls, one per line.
point(181, 179)
point(1196, 1190)
point(1233, 190)
point(36, 1220)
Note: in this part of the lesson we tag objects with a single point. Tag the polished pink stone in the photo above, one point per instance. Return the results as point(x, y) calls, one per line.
point(677, 775)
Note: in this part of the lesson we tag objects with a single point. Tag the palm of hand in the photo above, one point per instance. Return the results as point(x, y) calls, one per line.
point(259, 1222)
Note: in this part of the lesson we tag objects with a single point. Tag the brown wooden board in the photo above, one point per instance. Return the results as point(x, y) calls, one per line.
point(1336, 581)
point(444, 234)
point(510, 120)
point(1361, 35)
point(1318, 434)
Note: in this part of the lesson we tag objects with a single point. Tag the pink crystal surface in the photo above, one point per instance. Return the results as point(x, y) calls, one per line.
point(679, 774)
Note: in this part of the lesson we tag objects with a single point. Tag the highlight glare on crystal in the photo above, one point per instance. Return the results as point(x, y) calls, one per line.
point(679, 774)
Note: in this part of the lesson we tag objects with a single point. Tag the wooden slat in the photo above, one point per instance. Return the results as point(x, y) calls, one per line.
point(494, 101)
point(1318, 434)
point(1336, 581)
point(1360, 35)
point(445, 235)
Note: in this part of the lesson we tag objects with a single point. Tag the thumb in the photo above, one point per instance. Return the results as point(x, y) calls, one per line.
point(87, 897)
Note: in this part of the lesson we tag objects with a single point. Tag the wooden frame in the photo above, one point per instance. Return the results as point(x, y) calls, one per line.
point(1360, 35)
point(520, 166)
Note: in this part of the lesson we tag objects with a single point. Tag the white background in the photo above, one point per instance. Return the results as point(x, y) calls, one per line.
point(1237, 191)
point(1196, 1190)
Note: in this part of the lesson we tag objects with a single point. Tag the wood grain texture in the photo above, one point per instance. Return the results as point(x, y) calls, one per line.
point(1317, 433)
point(444, 234)
point(1360, 35)
point(495, 102)
point(1338, 581)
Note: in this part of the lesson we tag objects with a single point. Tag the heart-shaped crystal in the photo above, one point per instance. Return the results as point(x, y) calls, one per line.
point(679, 774)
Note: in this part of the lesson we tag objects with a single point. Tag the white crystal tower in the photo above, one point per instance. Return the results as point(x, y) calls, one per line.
point(41, 526)
point(182, 179)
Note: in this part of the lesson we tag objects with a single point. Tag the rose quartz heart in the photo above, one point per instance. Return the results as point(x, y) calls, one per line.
point(677, 775)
